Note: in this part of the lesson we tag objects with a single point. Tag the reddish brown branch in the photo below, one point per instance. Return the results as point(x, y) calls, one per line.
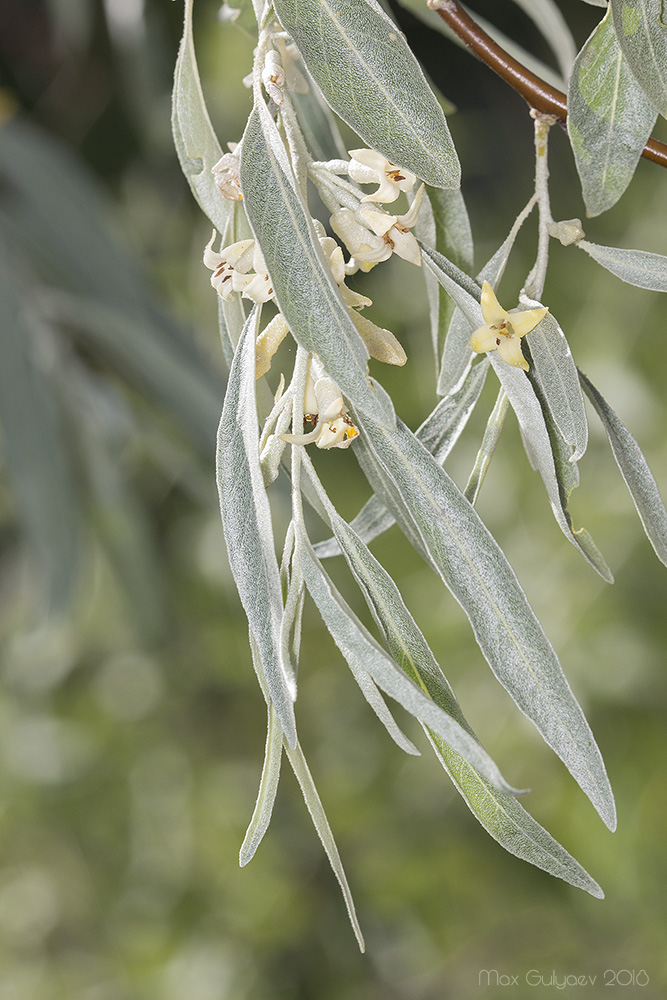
point(538, 94)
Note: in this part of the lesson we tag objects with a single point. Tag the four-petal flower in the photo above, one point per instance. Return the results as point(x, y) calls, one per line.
point(503, 331)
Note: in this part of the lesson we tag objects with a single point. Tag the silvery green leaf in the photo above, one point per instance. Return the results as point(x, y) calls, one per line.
point(637, 267)
point(410, 650)
point(290, 628)
point(196, 144)
point(554, 28)
point(246, 518)
point(534, 431)
point(318, 816)
point(635, 471)
point(478, 575)
point(567, 480)
point(371, 79)
point(34, 443)
point(464, 290)
point(556, 372)
point(317, 123)
point(608, 119)
point(439, 433)
point(404, 683)
point(641, 30)
point(452, 237)
point(507, 821)
point(268, 786)
point(305, 290)
point(597, 3)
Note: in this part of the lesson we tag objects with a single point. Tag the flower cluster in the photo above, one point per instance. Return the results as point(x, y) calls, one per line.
point(239, 268)
point(371, 235)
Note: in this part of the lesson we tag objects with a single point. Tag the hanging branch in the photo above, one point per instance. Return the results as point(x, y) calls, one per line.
point(535, 91)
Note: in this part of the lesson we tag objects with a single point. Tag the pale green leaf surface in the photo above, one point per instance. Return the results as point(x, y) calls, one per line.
point(507, 821)
point(641, 30)
point(356, 643)
point(318, 124)
point(478, 575)
point(318, 816)
point(438, 433)
point(567, 479)
point(608, 119)
point(246, 518)
point(556, 372)
point(535, 435)
point(463, 289)
point(637, 267)
point(635, 471)
point(371, 79)
point(196, 144)
point(268, 786)
point(448, 230)
point(305, 291)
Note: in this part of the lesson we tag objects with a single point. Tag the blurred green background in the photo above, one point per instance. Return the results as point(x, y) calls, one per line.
point(131, 724)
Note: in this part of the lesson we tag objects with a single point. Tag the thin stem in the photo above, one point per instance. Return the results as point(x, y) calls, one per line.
point(539, 94)
point(487, 447)
point(534, 286)
point(299, 384)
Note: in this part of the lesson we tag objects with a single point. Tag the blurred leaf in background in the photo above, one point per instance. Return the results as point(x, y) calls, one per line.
point(130, 724)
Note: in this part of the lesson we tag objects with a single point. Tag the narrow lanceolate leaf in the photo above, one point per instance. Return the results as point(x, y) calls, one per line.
point(371, 79)
point(318, 124)
point(608, 119)
point(635, 471)
point(507, 821)
point(451, 236)
point(477, 573)
point(196, 144)
point(464, 290)
point(321, 824)
point(526, 405)
point(305, 290)
point(637, 267)
point(363, 677)
point(268, 786)
point(641, 29)
point(556, 372)
point(356, 643)
point(246, 518)
point(439, 433)
point(409, 648)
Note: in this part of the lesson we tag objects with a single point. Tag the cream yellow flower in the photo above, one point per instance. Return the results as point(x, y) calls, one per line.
point(232, 270)
point(324, 407)
point(370, 167)
point(503, 331)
